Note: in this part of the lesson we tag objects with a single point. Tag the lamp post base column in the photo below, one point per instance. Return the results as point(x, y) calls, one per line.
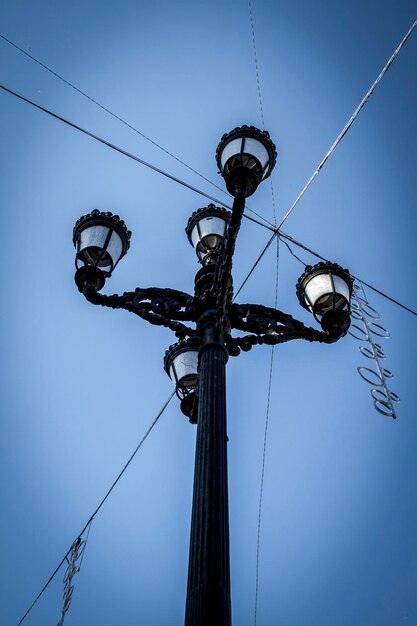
point(208, 591)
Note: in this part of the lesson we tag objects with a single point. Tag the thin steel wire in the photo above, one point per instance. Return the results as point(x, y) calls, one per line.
point(336, 142)
point(292, 251)
point(120, 119)
point(104, 108)
point(319, 256)
point(258, 82)
point(85, 545)
point(349, 123)
point(363, 291)
point(113, 146)
point(90, 519)
point(261, 490)
point(274, 209)
point(254, 267)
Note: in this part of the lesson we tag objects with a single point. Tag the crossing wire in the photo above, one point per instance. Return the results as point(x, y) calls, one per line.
point(271, 365)
point(261, 490)
point(104, 108)
point(322, 258)
point(269, 227)
point(333, 146)
point(292, 251)
point(92, 517)
point(348, 123)
point(258, 81)
point(123, 121)
point(254, 266)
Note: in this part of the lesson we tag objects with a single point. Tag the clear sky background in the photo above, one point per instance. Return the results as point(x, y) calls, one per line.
point(81, 384)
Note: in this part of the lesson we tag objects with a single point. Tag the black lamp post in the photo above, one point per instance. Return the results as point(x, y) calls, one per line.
point(196, 364)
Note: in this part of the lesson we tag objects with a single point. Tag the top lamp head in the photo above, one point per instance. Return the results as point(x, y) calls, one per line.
point(245, 157)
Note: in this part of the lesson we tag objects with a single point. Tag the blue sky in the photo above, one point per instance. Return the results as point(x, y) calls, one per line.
point(80, 385)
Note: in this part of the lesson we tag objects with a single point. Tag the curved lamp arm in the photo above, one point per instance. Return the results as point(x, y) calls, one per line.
point(271, 326)
point(161, 307)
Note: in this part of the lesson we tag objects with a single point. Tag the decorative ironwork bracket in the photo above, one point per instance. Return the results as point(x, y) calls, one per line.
point(162, 307)
point(270, 326)
point(170, 308)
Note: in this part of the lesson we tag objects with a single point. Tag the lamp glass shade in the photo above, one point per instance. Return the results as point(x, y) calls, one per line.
point(257, 149)
point(247, 152)
point(101, 239)
point(230, 149)
point(341, 287)
point(207, 235)
point(325, 287)
point(318, 287)
point(183, 368)
point(99, 246)
point(206, 230)
point(245, 157)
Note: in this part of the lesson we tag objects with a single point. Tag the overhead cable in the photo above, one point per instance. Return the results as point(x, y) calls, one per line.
point(319, 256)
point(271, 365)
point(348, 124)
point(113, 146)
point(104, 108)
point(261, 489)
point(254, 266)
point(125, 153)
point(291, 251)
point(120, 119)
point(261, 108)
point(332, 148)
point(90, 519)
point(188, 186)
point(258, 82)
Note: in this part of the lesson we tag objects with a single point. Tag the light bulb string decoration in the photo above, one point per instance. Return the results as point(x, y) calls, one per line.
point(367, 329)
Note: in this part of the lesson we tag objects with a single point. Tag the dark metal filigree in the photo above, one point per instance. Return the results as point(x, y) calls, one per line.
point(161, 307)
point(269, 326)
point(170, 308)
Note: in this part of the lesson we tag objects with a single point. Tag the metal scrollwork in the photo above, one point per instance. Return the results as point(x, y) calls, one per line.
point(260, 319)
point(268, 326)
point(170, 308)
point(162, 307)
point(364, 329)
point(74, 561)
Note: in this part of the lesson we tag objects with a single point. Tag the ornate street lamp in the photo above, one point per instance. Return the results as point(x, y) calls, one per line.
point(245, 157)
point(181, 365)
point(206, 324)
point(325, 290)
point(206, 229)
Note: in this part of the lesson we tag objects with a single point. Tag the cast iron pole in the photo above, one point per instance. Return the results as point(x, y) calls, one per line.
point(208, 590)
